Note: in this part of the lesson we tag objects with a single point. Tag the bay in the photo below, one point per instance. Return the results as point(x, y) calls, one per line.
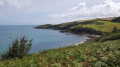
point(43, 39)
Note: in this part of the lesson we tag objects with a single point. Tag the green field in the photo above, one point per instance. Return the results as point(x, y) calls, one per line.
point(105, 54)
point(104, 26)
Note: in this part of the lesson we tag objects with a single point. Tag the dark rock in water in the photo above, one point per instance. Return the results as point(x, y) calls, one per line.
point(63, 31)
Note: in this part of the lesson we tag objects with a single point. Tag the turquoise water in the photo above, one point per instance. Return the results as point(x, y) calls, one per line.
point(42, 38)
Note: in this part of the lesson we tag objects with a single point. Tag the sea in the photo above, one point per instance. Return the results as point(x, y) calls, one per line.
point(43, 39)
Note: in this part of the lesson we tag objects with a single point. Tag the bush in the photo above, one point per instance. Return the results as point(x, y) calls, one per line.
point(115, 30)
point(112, 36)
point(19, 48)
point(80, 29)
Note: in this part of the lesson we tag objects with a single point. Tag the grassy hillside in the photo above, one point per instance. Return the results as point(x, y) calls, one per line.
point(93, 24)
point(83, 55)
point(104, 26)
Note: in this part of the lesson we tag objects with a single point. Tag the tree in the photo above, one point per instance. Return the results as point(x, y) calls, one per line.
point(115, 30)
point(19, 48)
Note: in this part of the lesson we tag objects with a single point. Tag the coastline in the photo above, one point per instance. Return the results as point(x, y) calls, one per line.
point(90, 38)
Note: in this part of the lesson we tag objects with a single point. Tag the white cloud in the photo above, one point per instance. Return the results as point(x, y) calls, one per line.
point(108, 8)
point(79, 6)
point(18, 3)
point(15, 3)
point(23, 16)
point(1, 3)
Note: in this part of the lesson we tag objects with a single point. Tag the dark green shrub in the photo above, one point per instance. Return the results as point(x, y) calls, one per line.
point(80, 29)
point(112, 36)
point(115, 30)
point(19, 48)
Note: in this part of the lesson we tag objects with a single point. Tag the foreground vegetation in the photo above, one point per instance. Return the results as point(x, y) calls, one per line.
point(105, 54)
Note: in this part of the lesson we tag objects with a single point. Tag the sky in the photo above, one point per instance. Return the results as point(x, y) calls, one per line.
point(38, 12)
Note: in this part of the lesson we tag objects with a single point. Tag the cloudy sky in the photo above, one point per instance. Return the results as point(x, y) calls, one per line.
point(36, 12)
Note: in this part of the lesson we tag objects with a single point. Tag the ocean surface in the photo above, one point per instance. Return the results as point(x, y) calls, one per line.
point(43, 39)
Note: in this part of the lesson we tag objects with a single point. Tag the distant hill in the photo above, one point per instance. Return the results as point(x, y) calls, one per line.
point(117, 19)
point(112, 19)
point(93, 26)
point(107, 19)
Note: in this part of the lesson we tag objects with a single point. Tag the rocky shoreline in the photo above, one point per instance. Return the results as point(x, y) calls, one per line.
point(91, 38)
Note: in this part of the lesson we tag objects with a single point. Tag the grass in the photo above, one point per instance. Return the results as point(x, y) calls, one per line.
point(85, 20)
point(89, 54)
point(105, 26)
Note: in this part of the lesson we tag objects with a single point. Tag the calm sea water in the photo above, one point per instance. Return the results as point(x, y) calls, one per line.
point(42, 38)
